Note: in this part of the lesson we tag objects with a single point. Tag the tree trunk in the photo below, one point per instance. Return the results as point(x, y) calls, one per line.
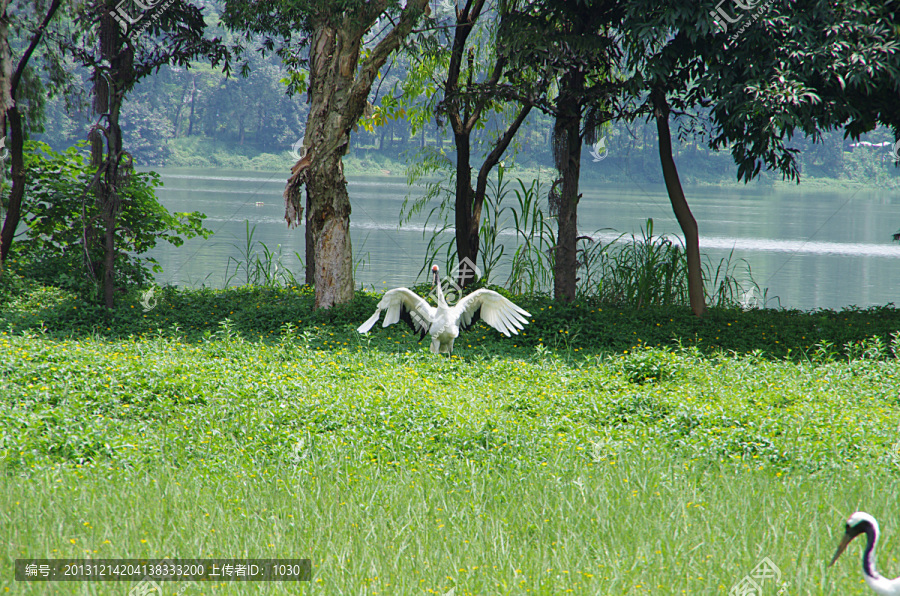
point(464, 114)
point(179, 111)
point(339, 87)
point(108, 196)
point(567, 153)
point(260, 118)
point(330, 262)
point(6, 100)
point(329, 223)
point(110, 85)
point(679, 204)
point(9, 86)
point(466, 236)
point(190, 131)
point(310, 245)
point(17, 164)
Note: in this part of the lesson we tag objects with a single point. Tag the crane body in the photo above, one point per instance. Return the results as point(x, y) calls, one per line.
point(444, 322)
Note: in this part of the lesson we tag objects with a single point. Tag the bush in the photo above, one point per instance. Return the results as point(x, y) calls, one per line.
point(64, 239)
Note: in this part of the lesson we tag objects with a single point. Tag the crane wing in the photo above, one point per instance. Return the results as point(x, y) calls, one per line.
point(402, 304)
point(493, 309)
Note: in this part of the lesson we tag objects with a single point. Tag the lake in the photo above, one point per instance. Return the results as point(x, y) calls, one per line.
point(815, 248)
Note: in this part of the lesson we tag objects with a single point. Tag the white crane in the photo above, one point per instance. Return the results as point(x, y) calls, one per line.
point(444, 322)
point(863, 523)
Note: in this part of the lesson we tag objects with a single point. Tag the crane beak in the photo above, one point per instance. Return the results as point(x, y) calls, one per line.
point(840, 549)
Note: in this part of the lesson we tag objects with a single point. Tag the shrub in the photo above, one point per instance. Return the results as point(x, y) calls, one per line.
point(64, 239)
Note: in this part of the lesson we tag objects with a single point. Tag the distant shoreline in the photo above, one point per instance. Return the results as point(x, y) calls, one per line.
point(351, 171)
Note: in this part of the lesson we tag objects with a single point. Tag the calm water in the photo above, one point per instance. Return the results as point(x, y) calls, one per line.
point(812, 249)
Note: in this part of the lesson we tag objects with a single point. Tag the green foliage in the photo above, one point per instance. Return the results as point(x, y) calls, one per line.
point(148, 132)
point(584, 327)
point(247, 410)
point(258, 265)
point(531, 265)
point(649, 365)
point(491, 249)
point(63, 242)
point(244, 443)
point(779, 410)
point(876, 166)
point(645, 271)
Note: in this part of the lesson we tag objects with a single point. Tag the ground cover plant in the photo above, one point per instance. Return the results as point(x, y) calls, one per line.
point(606, 451)
point(588, 325)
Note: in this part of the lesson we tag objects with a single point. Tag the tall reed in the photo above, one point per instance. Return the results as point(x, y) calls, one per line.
point(531, 264)
point(258, 265)
point(643, 270)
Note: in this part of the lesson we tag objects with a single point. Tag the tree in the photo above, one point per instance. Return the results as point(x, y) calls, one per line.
point(807, 67)
point(14, 117)
point(571, 43)
point(696, 295)
point(465, 104)
point(343, 65)
point(62, 237)
point(817, 66)
point(5, 60)
point(120, 55)
point(452, 76)
point(665, 49)
point(803, 67)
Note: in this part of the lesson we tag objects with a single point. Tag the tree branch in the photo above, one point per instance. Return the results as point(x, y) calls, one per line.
point(494, 157)
point(35, 40)
point(464, 21)
point(483, 101)
point(362, 84)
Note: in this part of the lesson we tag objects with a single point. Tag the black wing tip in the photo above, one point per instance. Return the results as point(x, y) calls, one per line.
point(476, 316)
point(406, 317)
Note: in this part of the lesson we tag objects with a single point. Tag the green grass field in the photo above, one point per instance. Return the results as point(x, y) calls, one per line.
point(605, 452)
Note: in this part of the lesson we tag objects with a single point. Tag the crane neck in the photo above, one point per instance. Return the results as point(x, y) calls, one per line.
point(441, 301)
point(868, 558)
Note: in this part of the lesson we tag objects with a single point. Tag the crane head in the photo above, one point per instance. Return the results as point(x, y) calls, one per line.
point(434, 270)
point(858, 523)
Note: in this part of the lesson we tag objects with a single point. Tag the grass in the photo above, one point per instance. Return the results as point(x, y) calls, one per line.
point(240, 423)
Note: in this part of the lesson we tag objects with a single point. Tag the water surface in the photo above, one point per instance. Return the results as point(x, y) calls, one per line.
point(814, 248)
